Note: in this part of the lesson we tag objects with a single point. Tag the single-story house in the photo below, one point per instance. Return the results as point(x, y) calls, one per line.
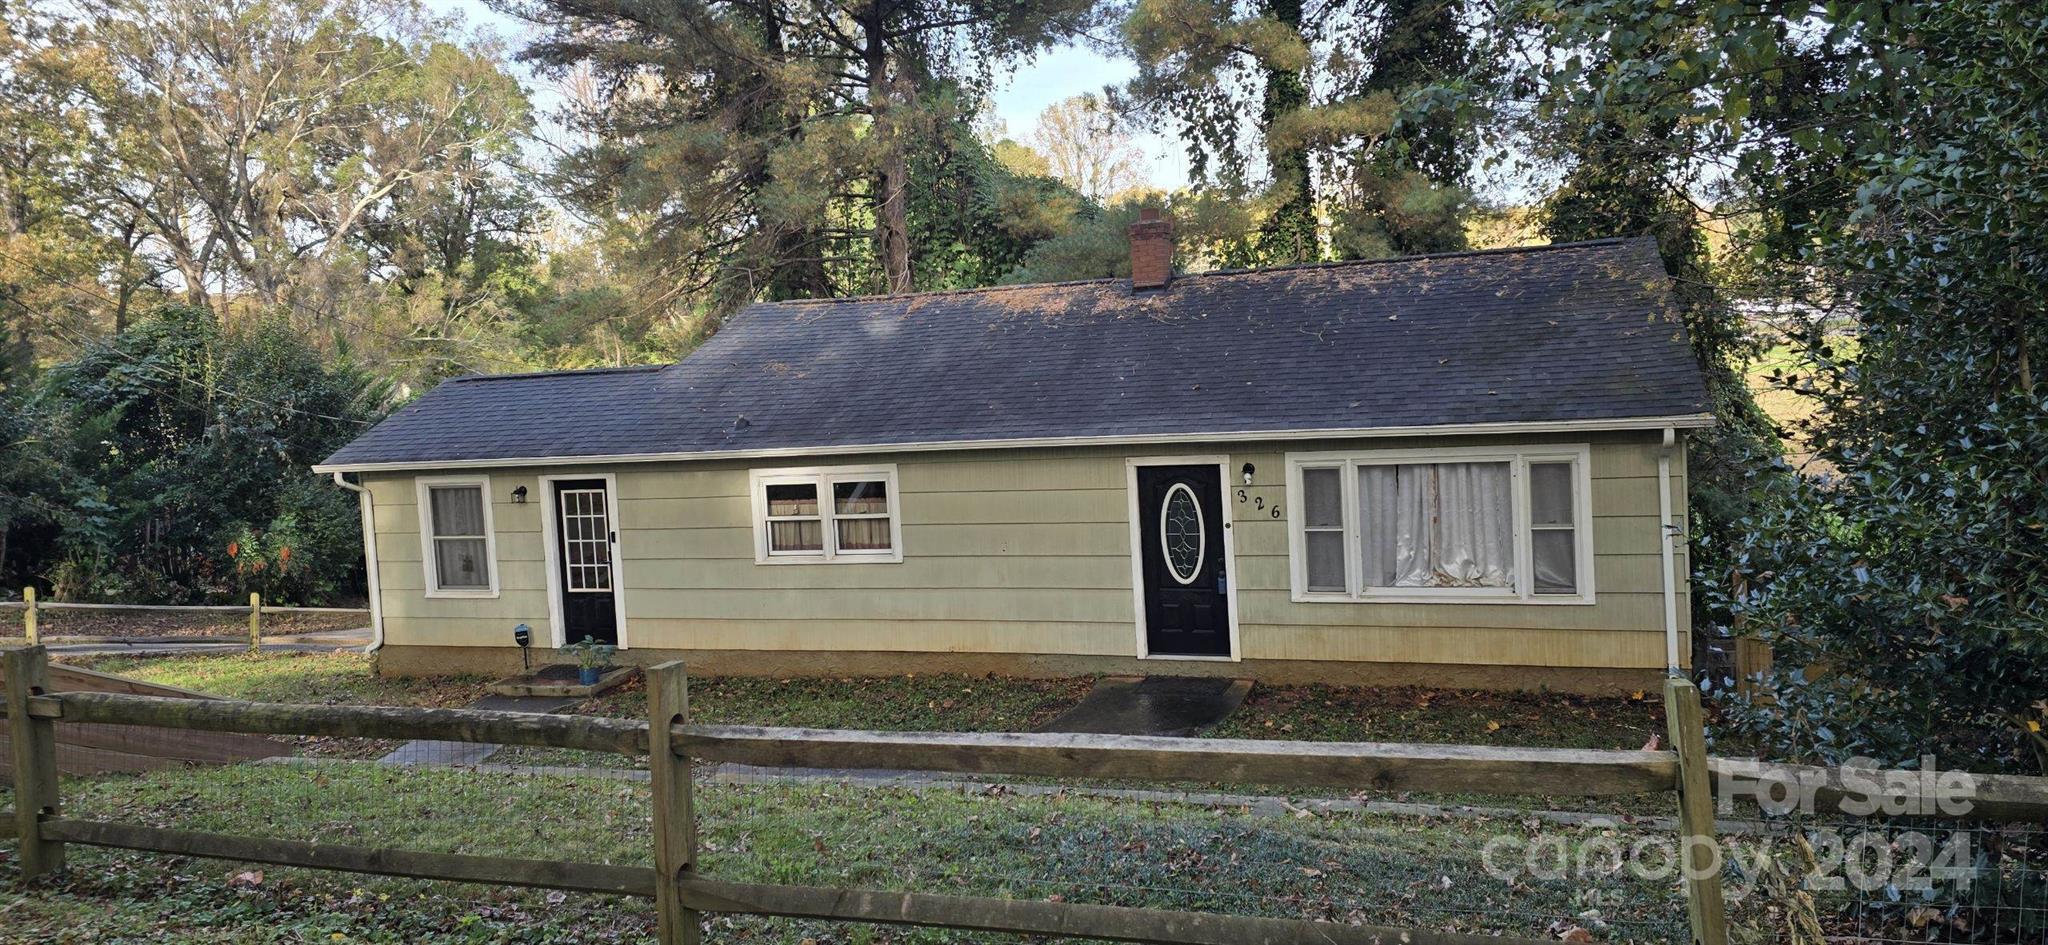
point(1464, 469)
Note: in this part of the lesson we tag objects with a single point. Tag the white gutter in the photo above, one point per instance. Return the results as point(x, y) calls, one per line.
point(1161, 439)
point(1669, 532)
point(368, 506)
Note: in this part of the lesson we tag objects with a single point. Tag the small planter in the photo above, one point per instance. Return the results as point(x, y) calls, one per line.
point(593, 659)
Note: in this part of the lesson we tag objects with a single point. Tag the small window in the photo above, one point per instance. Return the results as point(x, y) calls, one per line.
point(458, 542)
point(860, 517)
point(795, 526)
point(844, 514)
point(1450, 524)
point(1323, 527)
point(1553, 529)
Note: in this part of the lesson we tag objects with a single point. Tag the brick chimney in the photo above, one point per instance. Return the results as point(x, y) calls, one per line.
point(1151, 250)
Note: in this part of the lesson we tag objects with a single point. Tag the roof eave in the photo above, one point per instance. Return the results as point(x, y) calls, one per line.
point(1682, 421)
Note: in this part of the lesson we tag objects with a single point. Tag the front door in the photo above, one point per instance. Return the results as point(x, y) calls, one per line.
point(584, 539)
point(1180, 553)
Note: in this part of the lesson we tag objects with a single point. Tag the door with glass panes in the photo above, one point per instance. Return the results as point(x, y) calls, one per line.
point(584, 543)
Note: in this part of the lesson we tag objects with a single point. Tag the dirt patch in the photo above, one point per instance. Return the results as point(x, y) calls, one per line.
point(159, 623)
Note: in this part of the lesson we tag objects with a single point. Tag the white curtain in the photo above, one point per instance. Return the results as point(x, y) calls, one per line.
point(1437, 525)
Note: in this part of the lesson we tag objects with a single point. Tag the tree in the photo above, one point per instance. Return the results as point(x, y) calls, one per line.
point(189, 446)
point(266, 165)
point(1334, 135)
point(1085, 145)
point(46, 148)
point(1854, 146)
point(797, 122)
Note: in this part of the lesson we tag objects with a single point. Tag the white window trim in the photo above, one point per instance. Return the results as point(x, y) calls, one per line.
point(824, 477)
point(1518, 458)
point(428, 567)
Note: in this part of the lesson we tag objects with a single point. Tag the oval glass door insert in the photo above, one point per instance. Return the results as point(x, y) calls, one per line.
point(1183, 540)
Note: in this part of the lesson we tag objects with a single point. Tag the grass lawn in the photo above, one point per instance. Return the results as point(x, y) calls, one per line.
point(1343, 867)
point(919, 702)
point(318, 678)
point(1529, 720)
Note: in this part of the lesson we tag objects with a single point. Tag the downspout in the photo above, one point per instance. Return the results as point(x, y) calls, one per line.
point(368, 506)
point(1669, 530)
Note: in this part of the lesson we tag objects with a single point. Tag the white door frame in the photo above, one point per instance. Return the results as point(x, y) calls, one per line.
point(1230, 588)
point(550, 526)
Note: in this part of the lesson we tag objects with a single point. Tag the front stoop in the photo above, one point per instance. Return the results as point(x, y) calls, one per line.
point(559, 681)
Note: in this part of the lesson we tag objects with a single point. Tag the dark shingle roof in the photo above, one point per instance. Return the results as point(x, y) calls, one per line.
point(1575, 332)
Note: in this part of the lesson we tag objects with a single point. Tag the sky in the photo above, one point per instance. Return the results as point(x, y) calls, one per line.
point(1072, 70)
point(1058, 74)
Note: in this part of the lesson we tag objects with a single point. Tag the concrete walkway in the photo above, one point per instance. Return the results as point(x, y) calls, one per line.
point(1153, 705)
point(432, 752)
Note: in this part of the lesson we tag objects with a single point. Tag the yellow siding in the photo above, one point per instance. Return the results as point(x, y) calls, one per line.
point(1020, 551)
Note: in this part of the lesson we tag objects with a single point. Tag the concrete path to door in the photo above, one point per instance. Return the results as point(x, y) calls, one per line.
point(1153, 705)
point(1116, 705)
point(431, 752)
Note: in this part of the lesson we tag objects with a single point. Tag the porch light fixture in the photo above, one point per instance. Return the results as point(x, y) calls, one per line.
point(1248, 470)
point(519, 496)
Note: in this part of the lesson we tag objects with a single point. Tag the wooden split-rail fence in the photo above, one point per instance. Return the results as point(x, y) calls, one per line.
point(671, 743)
point(32, 609)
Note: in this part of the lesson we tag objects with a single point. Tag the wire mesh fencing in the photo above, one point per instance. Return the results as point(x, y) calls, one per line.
point(1229, 849)
point(1806, 878)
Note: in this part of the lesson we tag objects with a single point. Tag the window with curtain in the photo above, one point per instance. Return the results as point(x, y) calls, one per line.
point(458, 535)
point(842, 514)
point(1475, 525)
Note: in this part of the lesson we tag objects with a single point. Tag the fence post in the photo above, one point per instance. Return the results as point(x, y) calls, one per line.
point(255, 622)
point(28, 617)
point(35, 761)
point(1700, 858)
point(675, 817)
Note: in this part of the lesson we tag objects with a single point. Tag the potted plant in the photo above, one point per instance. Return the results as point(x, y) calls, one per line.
point(592, 659)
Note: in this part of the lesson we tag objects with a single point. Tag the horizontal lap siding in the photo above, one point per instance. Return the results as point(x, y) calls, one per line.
point(1036, 560)
point(1623, 628)
point(412, 617)
point(1017, 552)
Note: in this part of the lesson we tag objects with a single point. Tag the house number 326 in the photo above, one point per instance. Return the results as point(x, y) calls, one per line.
point(1258, 502)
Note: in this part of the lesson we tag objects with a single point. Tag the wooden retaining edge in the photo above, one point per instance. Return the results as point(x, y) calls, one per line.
point(497, 871)
point(622, 736)
point(2002, 798)
point(1357, 765)
point(1031, 917)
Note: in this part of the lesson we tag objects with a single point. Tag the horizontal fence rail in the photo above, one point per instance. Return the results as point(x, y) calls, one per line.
point(183, 608)
point(497, 871)
point(621, 736)
point(1358, 765)
point(1999, 798)
point(682, 895)
point(1076, 920)
point(31, 609)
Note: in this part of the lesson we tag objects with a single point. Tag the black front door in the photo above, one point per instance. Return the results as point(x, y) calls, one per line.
point(1180, 550)
point(583, 547)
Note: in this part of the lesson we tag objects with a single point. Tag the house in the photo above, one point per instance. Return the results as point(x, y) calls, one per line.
point(1464, 469)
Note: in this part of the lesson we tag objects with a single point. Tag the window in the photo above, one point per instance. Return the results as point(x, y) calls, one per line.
point(458, 550)
point(1442, 525)
point(841, 514)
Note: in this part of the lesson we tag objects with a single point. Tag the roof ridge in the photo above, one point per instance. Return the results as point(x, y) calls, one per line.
point(1261, 270)
point(563, 372)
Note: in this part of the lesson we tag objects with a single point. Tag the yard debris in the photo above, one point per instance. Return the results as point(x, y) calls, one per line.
point(246, 880)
